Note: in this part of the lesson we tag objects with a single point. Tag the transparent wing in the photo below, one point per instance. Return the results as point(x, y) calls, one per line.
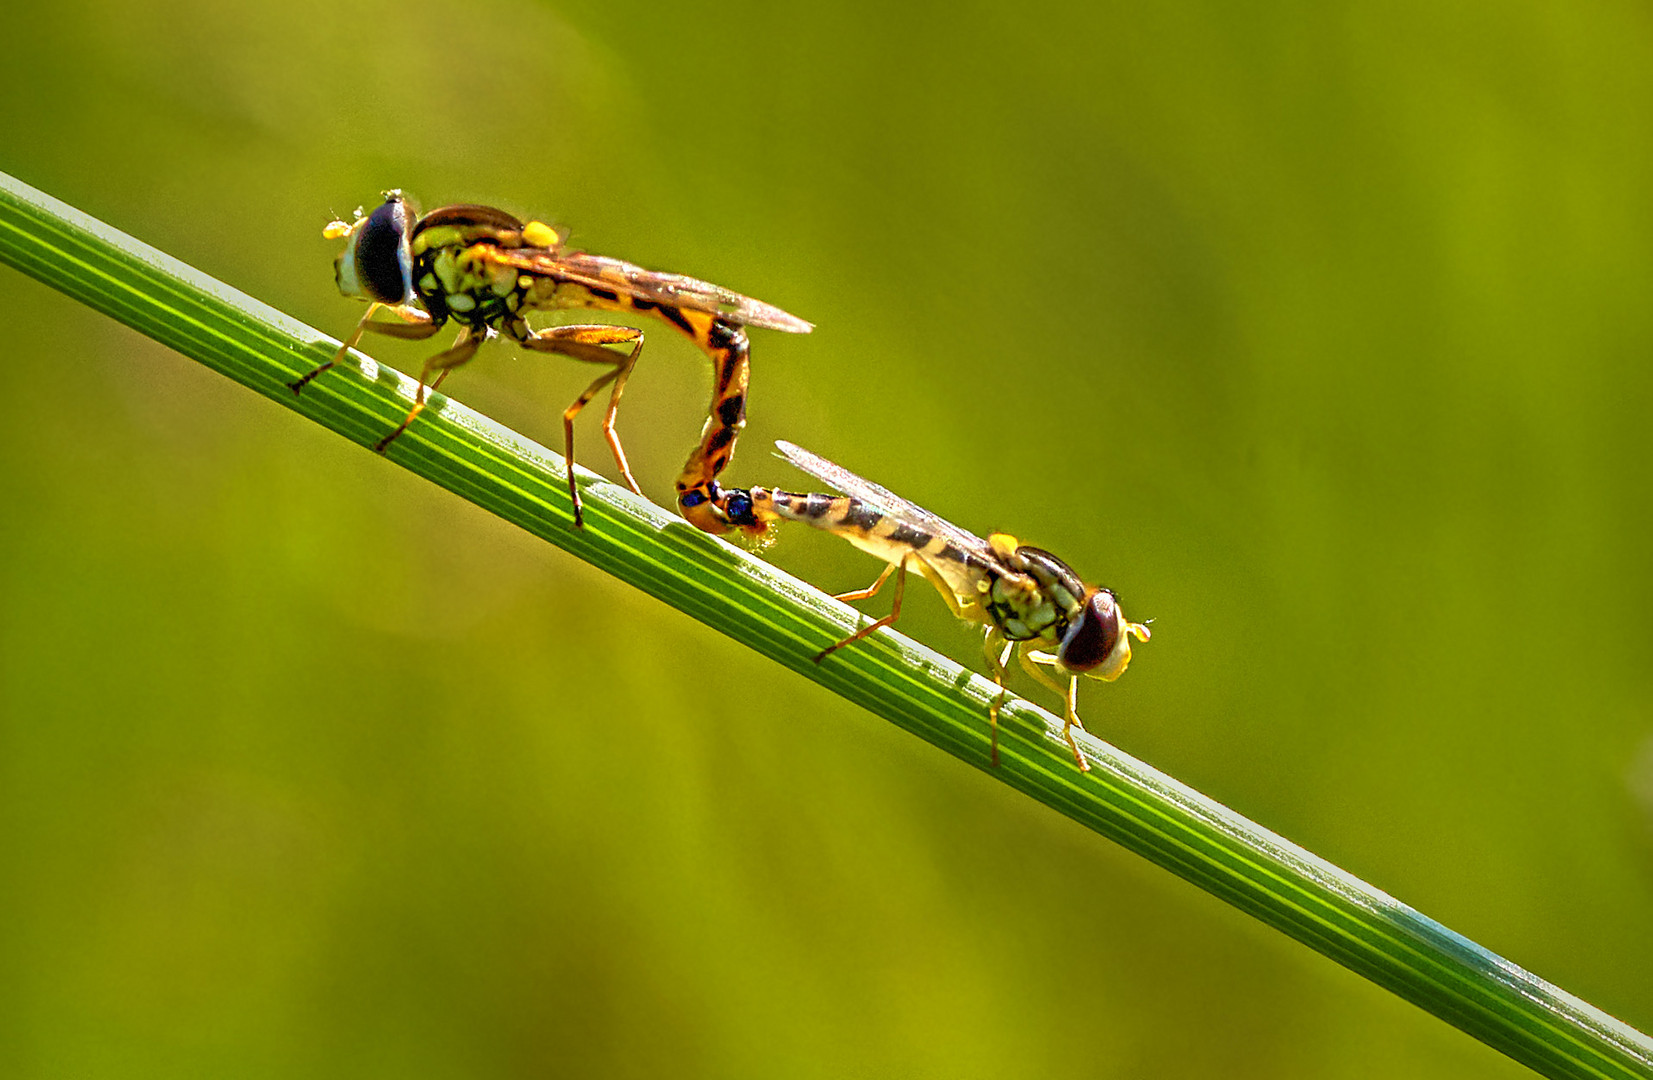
point(888, 502)
point(601, 272)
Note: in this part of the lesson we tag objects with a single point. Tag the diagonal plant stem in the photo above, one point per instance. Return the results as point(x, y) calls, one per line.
point(1125, 800)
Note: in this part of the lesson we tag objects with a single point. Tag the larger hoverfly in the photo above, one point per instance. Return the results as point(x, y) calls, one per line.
point(1027, 599)
point(486, 270)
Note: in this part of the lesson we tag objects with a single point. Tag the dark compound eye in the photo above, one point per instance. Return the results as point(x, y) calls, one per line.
point(384, 265)
point(1094, 636)
point(738, 507)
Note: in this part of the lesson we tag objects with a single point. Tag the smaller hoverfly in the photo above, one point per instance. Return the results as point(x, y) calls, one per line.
point(1028, 599)
point(486, 270)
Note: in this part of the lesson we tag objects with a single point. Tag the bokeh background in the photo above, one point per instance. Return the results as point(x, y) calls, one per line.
point(1318, 330)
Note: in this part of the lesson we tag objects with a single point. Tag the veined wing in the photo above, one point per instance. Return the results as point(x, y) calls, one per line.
point(954, 556)
point(889, 503)
point(675, 290)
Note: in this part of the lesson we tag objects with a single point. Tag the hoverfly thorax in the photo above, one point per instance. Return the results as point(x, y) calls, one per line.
point(1056, 578)
point(377, 261)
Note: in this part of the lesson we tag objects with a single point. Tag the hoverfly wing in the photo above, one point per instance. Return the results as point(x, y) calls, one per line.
point(888, 502)
point(675, 290)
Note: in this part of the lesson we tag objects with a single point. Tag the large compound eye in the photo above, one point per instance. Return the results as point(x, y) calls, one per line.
point(379, 249)
point(1094, 636)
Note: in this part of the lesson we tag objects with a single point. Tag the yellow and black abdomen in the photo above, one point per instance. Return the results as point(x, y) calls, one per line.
point(962, 576)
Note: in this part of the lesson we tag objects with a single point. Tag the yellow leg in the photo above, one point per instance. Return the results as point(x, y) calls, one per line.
point(464, 347)
point(1069, 695)
point(895, 613)
point(588, 344)
point(870, 590)
point(418, 325)
point(996, 649)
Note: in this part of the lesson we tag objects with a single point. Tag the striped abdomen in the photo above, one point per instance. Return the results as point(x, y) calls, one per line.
point(699, 498)
point(964, 574)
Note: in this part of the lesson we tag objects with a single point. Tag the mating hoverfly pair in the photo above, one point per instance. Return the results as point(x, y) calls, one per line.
point(486, 270)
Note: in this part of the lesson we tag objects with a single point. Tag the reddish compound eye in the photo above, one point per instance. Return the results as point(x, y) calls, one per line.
point(1094, 636)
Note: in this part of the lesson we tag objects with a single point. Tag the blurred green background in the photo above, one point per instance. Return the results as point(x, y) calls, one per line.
point(1319, 331)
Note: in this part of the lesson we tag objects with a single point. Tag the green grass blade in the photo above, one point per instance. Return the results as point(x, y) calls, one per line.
point(1146, 811)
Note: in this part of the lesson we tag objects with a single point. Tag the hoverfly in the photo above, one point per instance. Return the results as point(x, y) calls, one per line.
point(1027, 598)
point(486, 270)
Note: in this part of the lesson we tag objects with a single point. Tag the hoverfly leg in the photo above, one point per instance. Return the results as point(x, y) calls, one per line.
point(1069, 695)
point(997, 650)
point(297, 386)
point(895, 613)
point(418, 325)
point(443, 362)
point(870, 590)
point(589, 344)
point(1072, 721)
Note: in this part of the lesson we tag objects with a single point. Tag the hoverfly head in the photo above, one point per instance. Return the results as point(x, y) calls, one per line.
point(377, 261)
point(1098, 642)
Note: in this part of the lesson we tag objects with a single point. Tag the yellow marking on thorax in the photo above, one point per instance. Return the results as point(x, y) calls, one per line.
point(446, 269)
point(539, 234)
point(478, 270)
point(439, 236)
